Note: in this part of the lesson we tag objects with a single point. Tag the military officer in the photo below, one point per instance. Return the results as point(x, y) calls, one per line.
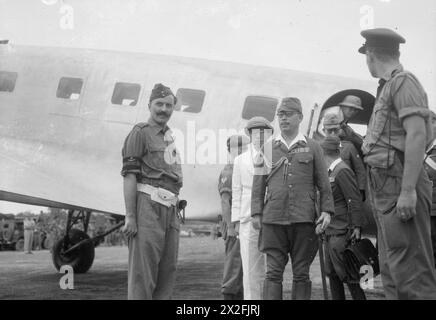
point(232, 286)
point(332, 128)
point(345, 224)
point(293, 170)
point(253, 261)
point(152, 180)
point(400, 190)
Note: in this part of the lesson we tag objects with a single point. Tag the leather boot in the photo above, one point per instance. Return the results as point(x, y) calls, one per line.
point(301, 290)
point(272, 290)
point(336, 288)
point(356, 291)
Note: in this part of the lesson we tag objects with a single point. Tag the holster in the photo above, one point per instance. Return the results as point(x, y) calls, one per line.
point(180, 210)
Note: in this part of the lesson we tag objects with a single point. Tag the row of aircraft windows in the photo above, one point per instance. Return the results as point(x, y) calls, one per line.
point(127, 94)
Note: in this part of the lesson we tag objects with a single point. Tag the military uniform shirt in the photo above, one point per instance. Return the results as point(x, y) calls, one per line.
point(400, 96)
point(225, 186)
point(347, 199)
point(291, 185)
point(149, 152)
point(352, 158)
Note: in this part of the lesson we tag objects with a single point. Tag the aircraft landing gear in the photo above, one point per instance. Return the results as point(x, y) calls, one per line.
point(81, 257)
point(76, 248)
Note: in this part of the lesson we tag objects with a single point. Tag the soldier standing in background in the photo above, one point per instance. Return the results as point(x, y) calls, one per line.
point(232, 286)
point(349, 154)
point(345, 225)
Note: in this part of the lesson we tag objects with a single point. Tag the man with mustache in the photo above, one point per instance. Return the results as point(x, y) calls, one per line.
point(152, 180)
point(291, 173)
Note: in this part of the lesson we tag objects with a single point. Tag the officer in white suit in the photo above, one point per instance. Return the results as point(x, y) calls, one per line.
point(253, 261)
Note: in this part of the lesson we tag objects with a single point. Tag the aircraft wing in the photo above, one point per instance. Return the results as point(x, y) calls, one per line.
point(39, 174)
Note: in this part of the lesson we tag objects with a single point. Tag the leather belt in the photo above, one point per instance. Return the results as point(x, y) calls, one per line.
point(160, 195)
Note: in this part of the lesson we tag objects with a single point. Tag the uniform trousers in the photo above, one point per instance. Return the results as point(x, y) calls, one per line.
point(153, 251)
point(28, 240)
point(278, 242)
point(232, 275)
point(405, 249)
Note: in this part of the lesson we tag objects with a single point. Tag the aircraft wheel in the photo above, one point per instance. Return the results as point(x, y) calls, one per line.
point(80, 259)
point(19, 245)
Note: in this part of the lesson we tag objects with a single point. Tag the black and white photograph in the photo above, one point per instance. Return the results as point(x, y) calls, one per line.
point(223, 150)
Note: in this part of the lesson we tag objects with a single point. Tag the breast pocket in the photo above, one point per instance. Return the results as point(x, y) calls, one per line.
point(380, 118)
point(304, 163)
point(156, 155)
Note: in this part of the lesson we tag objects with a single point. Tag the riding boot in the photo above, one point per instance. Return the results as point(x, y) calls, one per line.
point(272, 290)
point(337, 288)
point(301, 290)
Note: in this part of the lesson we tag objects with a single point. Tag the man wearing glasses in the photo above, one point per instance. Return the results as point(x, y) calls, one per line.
point(349, 154)
point(291, 173)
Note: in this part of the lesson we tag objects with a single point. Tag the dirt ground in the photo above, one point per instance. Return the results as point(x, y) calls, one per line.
point(199, 275)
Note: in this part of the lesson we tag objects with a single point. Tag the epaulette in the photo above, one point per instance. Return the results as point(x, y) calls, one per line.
point(142, 125)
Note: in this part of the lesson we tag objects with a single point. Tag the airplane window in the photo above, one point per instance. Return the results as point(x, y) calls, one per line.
point(258, 106)
point(126, 94)
point(190, 100)
point(7, 81)
point(69, 88)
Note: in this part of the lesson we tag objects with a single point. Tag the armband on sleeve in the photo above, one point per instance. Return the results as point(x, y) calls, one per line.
point(131, 165)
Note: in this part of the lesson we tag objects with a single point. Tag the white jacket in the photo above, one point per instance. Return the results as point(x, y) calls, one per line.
point(242, 180)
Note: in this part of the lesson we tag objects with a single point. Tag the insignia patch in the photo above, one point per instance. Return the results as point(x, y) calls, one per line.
point(300, 150)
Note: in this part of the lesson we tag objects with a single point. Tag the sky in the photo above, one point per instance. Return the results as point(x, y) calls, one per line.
point(319, 36)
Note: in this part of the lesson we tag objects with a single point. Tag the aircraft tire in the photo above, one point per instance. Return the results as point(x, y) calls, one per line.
point(80, 259)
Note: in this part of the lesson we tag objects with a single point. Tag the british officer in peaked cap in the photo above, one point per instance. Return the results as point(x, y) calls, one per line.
point(399, 188)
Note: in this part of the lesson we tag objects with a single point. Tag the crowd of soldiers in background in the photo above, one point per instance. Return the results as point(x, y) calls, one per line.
point(50, 227)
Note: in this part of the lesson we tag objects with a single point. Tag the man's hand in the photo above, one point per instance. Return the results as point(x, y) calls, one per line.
point(130, 227)
point(356, 234)
point(323, 222)
point(406, 205)
point(233, 229)
point(256, 222)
